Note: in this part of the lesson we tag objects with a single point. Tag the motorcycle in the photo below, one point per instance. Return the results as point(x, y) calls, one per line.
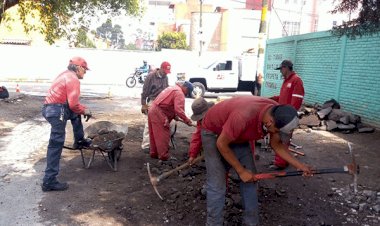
point(138, 76)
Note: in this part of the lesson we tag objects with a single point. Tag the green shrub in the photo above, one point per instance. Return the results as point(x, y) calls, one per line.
point(172, 40)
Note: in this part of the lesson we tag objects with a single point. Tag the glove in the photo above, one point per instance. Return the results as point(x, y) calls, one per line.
point(144, 109)
point(190, 123)
point(87, 114)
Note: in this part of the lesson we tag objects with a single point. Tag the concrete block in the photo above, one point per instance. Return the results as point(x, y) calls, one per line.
point(354, 118)
point(366, 130)
point(324, 112)
point(330, 125)
point(336, 114)
point(331, 103)
point(346, 127)
point(310, 120)
point(345, 120)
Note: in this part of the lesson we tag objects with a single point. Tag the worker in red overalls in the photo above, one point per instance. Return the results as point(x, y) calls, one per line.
point(292, 92)
point(168, 105)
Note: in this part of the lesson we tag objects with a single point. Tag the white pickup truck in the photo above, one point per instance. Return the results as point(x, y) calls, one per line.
point(229, 74)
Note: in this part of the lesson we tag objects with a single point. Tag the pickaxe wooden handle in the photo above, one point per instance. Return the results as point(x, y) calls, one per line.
point(178, 168)
point(155, 180)
point(349, 169)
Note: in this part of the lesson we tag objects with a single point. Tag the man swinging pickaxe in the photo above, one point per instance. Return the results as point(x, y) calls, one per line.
point(351, 168)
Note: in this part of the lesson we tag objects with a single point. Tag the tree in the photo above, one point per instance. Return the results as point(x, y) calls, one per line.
point(62, 18)
point(82, 39)
point(367, 22)
point(172, 40)
point(111, 34)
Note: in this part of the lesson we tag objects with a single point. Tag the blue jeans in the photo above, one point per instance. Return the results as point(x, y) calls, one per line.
point(57, 115)
point(216, 181)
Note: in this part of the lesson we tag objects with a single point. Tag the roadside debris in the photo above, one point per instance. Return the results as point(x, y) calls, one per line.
point(330, 117)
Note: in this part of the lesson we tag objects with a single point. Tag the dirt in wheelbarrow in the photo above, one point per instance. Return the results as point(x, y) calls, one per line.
point(100, 195)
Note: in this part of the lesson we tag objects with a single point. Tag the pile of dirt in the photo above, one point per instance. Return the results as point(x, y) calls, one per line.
point(18, 108)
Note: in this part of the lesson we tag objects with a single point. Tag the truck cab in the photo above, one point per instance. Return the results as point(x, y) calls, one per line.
point(229, 74)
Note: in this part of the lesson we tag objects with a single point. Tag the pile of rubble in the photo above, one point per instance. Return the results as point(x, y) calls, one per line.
point(330, 117)
point(363, 206)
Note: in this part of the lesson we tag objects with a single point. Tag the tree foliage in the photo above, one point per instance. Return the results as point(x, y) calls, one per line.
point(82, 40)
point(172, 40)
point(367, 21)
point(64, 17)
point(111, 34)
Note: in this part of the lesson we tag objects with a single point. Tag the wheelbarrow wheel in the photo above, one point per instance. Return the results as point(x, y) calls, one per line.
point(115, 154)
point(114, 157)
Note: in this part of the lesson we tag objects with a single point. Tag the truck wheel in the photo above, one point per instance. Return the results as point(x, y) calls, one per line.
point(199, 90)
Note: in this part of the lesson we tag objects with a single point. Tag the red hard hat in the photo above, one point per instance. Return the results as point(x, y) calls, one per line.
point(79, 61)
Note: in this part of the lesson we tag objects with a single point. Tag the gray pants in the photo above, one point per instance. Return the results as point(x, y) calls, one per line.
point(216, 181)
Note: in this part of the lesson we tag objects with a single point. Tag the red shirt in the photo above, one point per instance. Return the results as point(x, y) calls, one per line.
point(239, 117)
point(292, 91)
point(196, 141)
point(66, 89)
point(172, 102)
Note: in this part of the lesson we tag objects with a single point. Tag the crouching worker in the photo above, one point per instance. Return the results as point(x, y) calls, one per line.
point(226, 131)
point(62, 104)
point(200, 106)
point(168, 105)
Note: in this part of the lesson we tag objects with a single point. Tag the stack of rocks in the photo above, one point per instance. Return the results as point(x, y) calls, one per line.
point(330, 117)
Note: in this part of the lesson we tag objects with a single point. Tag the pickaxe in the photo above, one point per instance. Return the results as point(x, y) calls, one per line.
point(351, 168)
point(155, 180)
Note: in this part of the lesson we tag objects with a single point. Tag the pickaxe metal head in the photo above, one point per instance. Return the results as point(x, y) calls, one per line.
point(153, 181)
point(353, 168)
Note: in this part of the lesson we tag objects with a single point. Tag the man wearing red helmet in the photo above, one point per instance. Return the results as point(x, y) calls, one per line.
point(62, 104)
point(155, 82)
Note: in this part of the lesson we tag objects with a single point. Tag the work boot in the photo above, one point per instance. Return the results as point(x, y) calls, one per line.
point(83, 143)
point(146, 150)
point(54, 186)
point(168, 161)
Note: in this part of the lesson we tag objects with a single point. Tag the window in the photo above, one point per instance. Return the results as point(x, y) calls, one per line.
point(291, 28)
point(229, 65)
point(224, 66)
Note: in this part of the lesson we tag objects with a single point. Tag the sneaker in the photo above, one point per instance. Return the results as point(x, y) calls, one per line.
point(84, 143)
point(54, 186)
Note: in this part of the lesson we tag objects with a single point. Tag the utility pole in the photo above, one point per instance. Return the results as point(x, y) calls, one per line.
point(263, 25)
point(260, 50)
point(200, 27)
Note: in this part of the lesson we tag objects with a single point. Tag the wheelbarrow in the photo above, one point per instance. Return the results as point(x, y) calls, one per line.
point(107, 139)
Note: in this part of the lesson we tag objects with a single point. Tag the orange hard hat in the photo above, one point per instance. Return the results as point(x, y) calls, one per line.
point(79, 61)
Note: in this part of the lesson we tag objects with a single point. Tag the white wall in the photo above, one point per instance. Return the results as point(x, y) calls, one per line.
point(107, 67)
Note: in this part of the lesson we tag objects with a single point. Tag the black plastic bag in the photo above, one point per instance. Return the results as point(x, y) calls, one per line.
point(3, 92)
